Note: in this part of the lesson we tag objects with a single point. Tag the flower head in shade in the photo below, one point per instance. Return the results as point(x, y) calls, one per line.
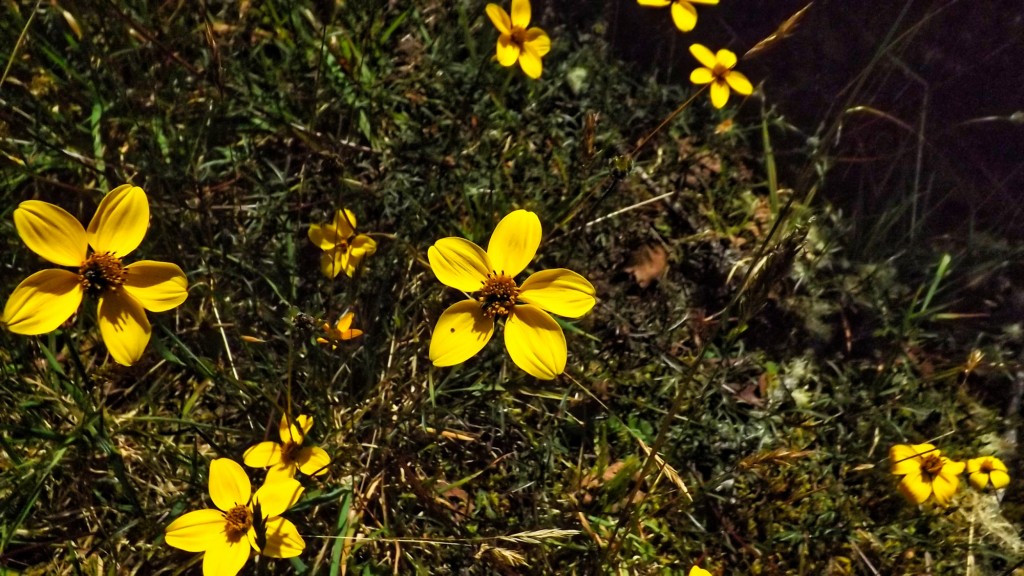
point(46, 299)
point(717, 70)
point(925, 473)
point(987, 471)
point(684, 14)
point(243, 521)
point(516, 42)
point(698, 571)
point(342, 331)
point(284, 458)
point(344, 250)
point(533, 339)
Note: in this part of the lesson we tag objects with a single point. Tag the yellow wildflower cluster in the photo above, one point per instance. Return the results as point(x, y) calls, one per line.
point(928, 474)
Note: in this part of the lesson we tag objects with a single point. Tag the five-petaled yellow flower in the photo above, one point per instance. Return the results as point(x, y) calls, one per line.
point(533, 339)
point(987, 470)
point(925, 473)
point(290, 455)
point(341, 332)
point(244, 521)
point(698, 571)
point(517, 42)
point(684, 14)
point(718, 71)
point(46, 299)
point(343, 248)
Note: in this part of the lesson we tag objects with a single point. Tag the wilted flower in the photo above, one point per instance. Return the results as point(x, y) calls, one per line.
point(516, 41)
point(46, 299)
point(925, 473)
point(343, 248)
point(242, 523)
point(341, 332)
point(533, 339)
point(718, 71)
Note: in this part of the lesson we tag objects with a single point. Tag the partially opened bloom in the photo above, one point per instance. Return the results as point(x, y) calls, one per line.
point(46, 299)
point(718, 71)
point(516, 42)
point(533, 339)
point(342, 331)
point(684, 14)
point(243, 522)
point(290, 455)
point(343, 248)
point(987, 471)
point(925, 473)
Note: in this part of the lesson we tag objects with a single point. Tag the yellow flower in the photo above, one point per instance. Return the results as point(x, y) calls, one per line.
point(343, 249)
point(698, 571)
point(244, 521)
point(683, 12)
point(925, 473)
point(987, 470)
point(46, 299)
point(718, 71)
point(290, 455)
point(517, 42)
point(341, 332)
point(533, 339)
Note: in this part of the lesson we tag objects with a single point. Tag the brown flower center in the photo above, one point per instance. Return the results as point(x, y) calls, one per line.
point(289, 452)
point(101, 272)
point(931, 465)
point(498, 295)
point(238, 520)
point(987, 467)
point(519, 37)
point(719, 72)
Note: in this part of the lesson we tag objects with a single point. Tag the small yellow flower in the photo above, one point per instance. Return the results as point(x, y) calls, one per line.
point(718, 71)
point(46, 299)
point(925, 473)
point(533, 339)
point(341, 332)
point(516, 41)
point(343, 248)
point(243, 522)
point(698, 571)
point(987, 470)
point(684, 14)
point(290, 455)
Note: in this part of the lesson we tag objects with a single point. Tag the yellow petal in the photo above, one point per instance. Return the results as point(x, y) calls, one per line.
point(499, 18)
point(194, 531)
point(283, 539)
point(520, 13)
point(703, 55)
point(333, 262)
point(739, 83)
point(654, 3)
point(280, 471)
point(559, 291)
point(535, 342)
point(42, 302)
point(999, 479)
point(978, 479)
point(158, 286)
point(726, 58)
point(124, 327)
point(684, 15)
point(229, 486)
point(344, 223)
point(507, 51)
point(276, 497)
point(322, 236)
point(461, 331)
point(698, 571)
point(514, 242)
point(914, 488)
point(537, 42)
point(120, 222)
point(459, 263)
point(345, 322)
point(531, 64)
point(719, 93)
point(365, 244)
point(906, 458)
point(226, 558)
point(51, 232)
point(944, 487)
point(951, 468)
point(313, 460)
point(295, 431)
point(701, 76)
point(263, 455)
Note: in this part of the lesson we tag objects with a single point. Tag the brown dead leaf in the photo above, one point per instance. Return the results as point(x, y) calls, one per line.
point(649, 264)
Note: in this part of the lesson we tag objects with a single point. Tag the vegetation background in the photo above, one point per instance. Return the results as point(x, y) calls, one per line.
point(787, 287)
